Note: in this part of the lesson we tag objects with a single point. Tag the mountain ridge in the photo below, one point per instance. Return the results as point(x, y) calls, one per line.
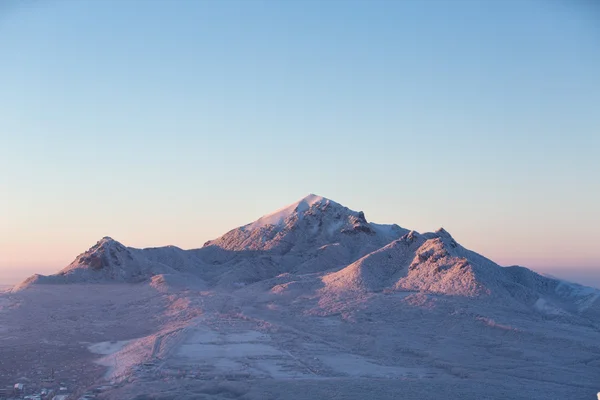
point(316, 235)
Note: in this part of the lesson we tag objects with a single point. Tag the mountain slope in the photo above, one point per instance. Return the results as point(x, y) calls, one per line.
point(415, 262)
point(435, 263)
point(313, 221)
point(310, 296)
point(313, 234)
point(110, 261)
point(343, 251)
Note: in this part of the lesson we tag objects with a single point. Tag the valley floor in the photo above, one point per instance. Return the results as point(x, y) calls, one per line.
point(158, 342)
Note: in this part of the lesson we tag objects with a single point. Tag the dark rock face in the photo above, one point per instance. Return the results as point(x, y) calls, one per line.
point(363, 228)
point(361, 217)
point(95, 262)
point(359, 225)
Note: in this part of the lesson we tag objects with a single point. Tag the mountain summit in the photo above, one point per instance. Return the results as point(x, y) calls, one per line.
point(311, 221)
point(298, 208)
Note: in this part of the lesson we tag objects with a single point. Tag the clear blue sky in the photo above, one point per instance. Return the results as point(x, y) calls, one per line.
point(171, 122)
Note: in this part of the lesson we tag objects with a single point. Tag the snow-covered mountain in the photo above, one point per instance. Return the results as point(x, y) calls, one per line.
point(347, 253)
point(311, 299)
point(313, 234)
point(435, 263)
point(313, 221)
point(110, 261)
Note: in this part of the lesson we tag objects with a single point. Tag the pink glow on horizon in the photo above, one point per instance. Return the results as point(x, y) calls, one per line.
point(20, 259)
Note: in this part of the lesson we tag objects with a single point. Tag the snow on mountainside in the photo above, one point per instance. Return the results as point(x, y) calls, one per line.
point(304, 301)
point(111, 261)
point(314, 234)
point(314, 220)
point(428, 263)
point(347, 253)
point(435, 263)
point(278, 217)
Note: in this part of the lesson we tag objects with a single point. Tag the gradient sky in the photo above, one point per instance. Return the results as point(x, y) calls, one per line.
point(171, 122)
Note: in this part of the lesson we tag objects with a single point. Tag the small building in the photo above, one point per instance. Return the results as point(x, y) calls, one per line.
point(49, 394)
point(18, 388)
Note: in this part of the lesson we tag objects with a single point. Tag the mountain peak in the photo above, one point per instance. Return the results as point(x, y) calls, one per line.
point(309, 223)
point(104, 245)
point(446, 237)
point(309, 201)
point(106, 240)
point(442, 232)
point(313, 198)
point(278, 217)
